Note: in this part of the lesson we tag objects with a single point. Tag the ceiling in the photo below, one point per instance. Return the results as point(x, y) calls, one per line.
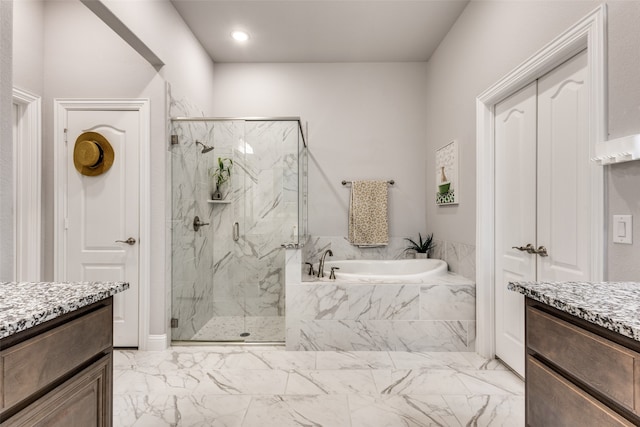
point(321, 30)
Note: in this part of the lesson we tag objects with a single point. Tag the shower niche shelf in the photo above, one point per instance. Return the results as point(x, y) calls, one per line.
point(219, 202)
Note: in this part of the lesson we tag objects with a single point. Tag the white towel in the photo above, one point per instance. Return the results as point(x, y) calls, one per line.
point(368, 218)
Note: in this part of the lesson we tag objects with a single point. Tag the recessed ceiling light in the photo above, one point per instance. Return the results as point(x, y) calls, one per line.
point(240, 36)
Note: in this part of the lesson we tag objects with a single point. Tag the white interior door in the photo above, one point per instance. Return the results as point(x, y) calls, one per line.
point(102, 209)
point(564, 194)
point(515, 220)
point(542, 194)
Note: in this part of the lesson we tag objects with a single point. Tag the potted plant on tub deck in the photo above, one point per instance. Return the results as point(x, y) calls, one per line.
point(221, 175)
point(421, 248)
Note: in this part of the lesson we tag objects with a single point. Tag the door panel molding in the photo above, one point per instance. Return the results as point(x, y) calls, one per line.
point(588, 33)
point(142, 106)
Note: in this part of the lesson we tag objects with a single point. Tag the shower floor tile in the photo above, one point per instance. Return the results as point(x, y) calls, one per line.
point(230, 328)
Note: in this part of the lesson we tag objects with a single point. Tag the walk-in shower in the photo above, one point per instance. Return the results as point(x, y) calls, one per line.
point(227, 254)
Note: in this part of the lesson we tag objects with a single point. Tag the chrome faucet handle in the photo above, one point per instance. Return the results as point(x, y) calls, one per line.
point(311, 270)
point(332, 275)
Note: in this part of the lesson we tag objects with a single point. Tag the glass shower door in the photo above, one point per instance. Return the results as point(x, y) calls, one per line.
point(237, 290)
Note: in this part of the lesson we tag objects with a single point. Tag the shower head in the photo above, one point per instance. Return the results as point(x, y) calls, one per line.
point(205, 148)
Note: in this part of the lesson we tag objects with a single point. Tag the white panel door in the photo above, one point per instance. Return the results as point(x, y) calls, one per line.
point(105, 208)
point(515, 218)
point(542, 194)
point(563, 173)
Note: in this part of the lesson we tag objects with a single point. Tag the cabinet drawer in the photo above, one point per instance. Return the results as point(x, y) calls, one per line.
point(599, 363)
point(554, 401)
point(33, 364)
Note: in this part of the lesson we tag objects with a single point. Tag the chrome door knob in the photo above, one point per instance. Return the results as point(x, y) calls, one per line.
point(129, 241)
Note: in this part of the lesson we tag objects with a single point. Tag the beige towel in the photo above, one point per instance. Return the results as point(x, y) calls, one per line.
point(368, 220)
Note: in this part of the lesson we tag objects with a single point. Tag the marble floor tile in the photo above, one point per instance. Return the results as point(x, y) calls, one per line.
point(331, 382)
point(354, 360)
point(492, 382)
point(416, 382)
point(487, 410)
point(395, 410)
point(297, 411)
point(266, 386)
point(430, 360)
point(141, 410)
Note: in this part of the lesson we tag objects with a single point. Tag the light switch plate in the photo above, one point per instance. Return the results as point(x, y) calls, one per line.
point(622, 229)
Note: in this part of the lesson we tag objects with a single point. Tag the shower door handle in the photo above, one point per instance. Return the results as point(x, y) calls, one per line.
point(236, 231)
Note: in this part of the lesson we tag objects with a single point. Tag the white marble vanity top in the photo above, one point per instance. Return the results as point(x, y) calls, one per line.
point(612, 305)
point(27, 304)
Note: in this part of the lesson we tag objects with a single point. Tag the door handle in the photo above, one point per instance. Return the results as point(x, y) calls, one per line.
point(528, 249)
point(236, 231)
point(542, 251)
point(130, 241)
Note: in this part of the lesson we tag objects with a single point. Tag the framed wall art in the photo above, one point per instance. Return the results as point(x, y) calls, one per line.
point(447, 186)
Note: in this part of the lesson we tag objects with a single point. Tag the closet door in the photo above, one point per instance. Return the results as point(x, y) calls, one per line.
point(542, 194)
point(563, 173)
point(515, 218)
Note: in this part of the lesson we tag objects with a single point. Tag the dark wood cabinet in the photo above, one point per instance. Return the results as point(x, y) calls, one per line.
point(578, 373)
point(60, 373)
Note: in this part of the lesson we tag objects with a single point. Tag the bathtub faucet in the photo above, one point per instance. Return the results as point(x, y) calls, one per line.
point(321, 264)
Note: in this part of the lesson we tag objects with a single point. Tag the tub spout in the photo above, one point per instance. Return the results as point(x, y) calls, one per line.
point(321, 264)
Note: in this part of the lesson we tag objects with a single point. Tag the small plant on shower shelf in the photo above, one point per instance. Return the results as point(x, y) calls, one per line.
point(221, 175)
point(421, 248)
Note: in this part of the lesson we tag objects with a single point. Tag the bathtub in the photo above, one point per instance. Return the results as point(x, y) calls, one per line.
point(401, 269)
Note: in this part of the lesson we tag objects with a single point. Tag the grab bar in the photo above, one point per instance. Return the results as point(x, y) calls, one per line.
point(236, 231)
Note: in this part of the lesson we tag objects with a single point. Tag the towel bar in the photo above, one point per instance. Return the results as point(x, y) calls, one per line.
point(344, 182)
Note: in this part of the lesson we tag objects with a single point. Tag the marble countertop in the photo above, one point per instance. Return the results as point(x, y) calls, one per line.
point(27, 304)
point(612, 305)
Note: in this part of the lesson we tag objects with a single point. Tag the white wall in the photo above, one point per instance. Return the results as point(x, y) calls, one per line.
point(489, 39)
point(624, 113)
point(28, 43)
point(366, 121)
point(188, 67)
point(7, 255)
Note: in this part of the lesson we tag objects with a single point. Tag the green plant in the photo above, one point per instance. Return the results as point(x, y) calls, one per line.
point(222, 173)
point(421, 246)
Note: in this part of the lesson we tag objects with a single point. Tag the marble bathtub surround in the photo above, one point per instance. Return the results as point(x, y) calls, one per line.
point(435, 314)
point(24, 305)
point(460, 257)
point(269, 387)
point(612, 305)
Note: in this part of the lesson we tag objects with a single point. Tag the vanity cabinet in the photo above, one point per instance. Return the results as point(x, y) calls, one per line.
point(578, 373)
point(59, 373)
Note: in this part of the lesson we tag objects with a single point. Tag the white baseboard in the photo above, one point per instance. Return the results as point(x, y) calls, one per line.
point(156, 343)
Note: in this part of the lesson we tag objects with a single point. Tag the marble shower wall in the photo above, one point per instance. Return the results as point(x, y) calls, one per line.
point(192, 251)
point(213, 275)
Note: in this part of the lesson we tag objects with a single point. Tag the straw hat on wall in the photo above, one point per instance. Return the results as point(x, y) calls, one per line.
point(92, 154)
